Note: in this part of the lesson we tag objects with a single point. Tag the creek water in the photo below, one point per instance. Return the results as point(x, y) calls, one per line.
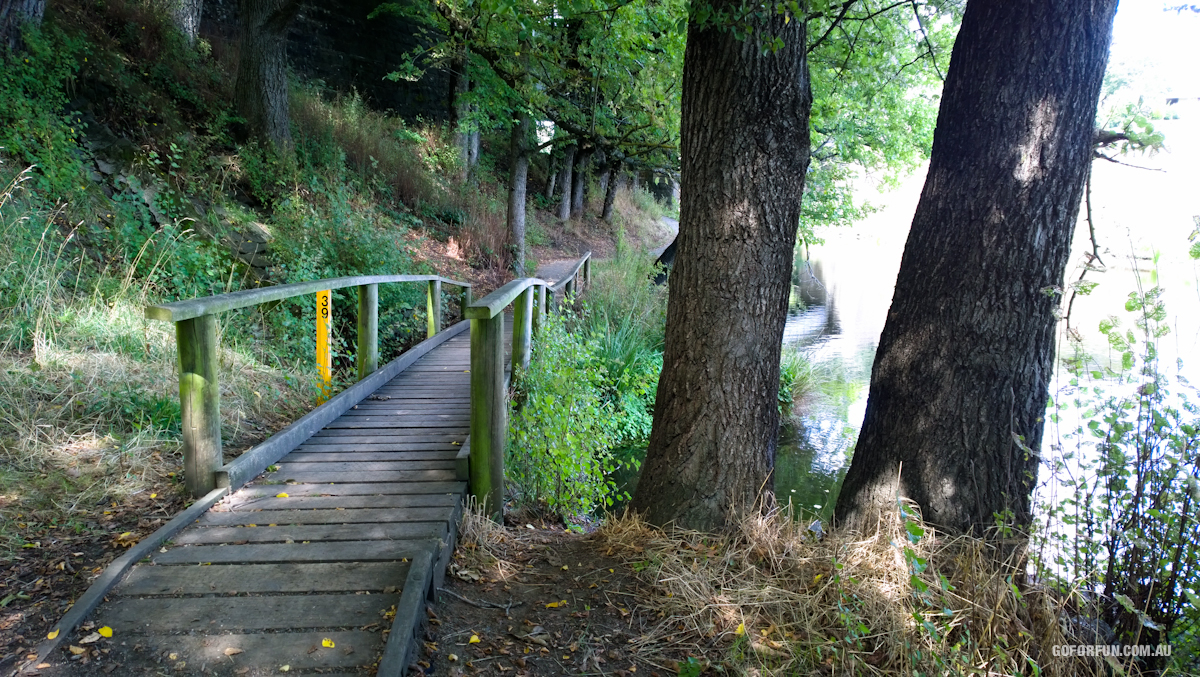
point(842, 292)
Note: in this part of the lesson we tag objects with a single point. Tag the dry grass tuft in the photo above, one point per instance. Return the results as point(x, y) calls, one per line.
point(777, 600)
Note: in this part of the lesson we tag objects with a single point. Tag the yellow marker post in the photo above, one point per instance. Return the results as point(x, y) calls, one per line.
point(324, 360)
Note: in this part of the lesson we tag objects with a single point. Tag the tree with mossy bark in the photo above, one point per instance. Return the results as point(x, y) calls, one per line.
point(960, 381)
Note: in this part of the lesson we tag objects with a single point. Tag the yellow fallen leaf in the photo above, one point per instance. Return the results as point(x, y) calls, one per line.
point(76, 649)
point(105, 631)
point(153, 495)
point(53, 634)
point(565, 567)
point(284, 668)
point(172, 656)
point(474, 639)
point(452, 657)
point(232, 651)
point(327, 643)
point(282, 494)
point(741, 629)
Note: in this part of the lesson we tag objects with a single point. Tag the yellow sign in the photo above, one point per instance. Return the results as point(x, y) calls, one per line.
point(324, 359)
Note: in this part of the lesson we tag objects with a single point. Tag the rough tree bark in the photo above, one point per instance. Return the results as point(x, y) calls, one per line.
point(745, 150)
point(186, 15)
point(551, 175)
point(965, 358)
point(564, 205)
point(518, 173)
point(261, 92)
point(460, 85)
point(578, 179)
point(13, 15)
point(612, 185)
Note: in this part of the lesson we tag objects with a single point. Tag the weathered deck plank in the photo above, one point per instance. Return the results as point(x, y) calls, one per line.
point(327, 539)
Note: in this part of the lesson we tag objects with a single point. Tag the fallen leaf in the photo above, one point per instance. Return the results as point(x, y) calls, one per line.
point(741, 629)
point(474, 639)
point(284, 668)
point(327, 643)
point(452, 657)
point(153, 495)
point(94, 637)
point(53, 634)
point(555, 605)
point(42, 666)
point(77, 650)
point(172, 656)
point(565, 567)
point(232, 651)
point(105, 631)
point(282, 494)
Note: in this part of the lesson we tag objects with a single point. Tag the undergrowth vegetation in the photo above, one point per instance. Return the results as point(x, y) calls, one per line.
point(585, 404)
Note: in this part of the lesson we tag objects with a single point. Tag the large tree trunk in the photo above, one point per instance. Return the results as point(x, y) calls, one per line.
point(460, 85)
point(612, 185)
point(261, 93)
point(745, 149)
point(578, 179)
point(564, 205)
point(186, 15)
point(13, 15)
point(518, 172)
point(960, 381)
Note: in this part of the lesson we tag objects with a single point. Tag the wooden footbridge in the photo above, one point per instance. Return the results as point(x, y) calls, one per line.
point(315, 551)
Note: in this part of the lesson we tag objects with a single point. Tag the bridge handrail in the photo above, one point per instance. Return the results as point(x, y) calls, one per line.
point(208, 305)
point(568, 280)
point(196, 343)
point(493, 304)
point(489, 427)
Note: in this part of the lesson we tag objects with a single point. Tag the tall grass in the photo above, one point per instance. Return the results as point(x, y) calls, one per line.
point(89, 406)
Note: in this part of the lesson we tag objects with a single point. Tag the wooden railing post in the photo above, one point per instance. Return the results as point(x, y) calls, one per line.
point(368, 329)
point(489, 429)
point(539, 308)
point(200, 402)
point(587, 272)
point(433, 306)
point(522, 329)
point(463, 301)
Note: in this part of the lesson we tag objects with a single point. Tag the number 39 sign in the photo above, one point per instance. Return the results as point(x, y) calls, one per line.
point(324, 359)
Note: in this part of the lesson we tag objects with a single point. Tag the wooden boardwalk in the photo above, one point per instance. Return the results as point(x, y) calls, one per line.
point(324, 562)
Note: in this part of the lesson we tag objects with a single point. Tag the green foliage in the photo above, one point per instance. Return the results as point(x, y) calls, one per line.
point(1129, 527)
point(563, 429)
point(584, 408)
point(34, 122)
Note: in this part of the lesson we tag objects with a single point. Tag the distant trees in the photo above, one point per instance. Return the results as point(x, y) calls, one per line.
point(13, 15)
point(606, 75)
point(260, 94)
point(960, 381)
point(745, 150)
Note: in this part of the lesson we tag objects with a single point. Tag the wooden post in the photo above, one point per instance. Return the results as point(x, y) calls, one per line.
point(539, 308)
point(489, 429)
point(522, 329)
point(587, 272)
point(569, 292)
point(200, 402)
point(324, 358)
point(463, 302)
point(433, 307)
point(368, 329)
